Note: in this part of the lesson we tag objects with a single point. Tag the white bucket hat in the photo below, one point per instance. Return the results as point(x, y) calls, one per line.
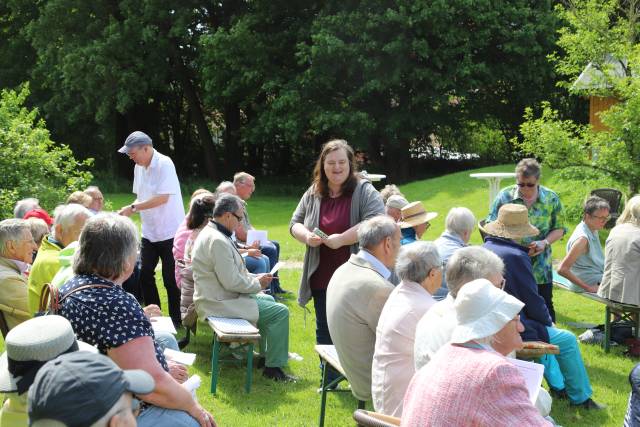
point(30, 345)
point(482, 310)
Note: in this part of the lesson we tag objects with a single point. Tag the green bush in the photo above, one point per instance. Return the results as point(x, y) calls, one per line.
point(31, 164)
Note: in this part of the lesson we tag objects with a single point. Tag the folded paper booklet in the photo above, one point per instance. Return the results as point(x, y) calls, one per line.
point(233, 326)
point(276, 267)
point(257, 235)
point(180, 357)
point(532, 373)
point(163, 324)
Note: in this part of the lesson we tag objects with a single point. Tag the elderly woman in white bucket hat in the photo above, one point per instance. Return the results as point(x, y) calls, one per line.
point(28, 347)
point(414, 222)
point(470, 381)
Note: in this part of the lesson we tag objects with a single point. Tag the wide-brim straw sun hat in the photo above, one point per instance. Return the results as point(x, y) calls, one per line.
point(482, 310)
point(415, 214)
point(512, 223)
point(32, 343)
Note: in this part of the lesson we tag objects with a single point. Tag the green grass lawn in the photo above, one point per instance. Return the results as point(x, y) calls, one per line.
point(298, 404)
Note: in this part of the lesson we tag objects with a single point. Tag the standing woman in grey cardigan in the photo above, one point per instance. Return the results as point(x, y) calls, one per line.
point(336, 202)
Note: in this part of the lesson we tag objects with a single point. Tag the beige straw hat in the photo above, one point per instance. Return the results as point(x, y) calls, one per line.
point(512, 223)
point(415, 214)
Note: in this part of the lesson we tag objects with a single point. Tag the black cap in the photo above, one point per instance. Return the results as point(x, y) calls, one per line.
point(79, 388)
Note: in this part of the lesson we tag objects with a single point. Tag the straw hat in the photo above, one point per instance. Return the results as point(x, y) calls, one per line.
point(512, 223)
point(32, 343)
point(482, 310)
point(415, 214)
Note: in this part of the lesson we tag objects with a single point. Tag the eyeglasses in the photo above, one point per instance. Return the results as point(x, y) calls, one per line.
point(601, 218)
point(239, 218)
point(526, 184)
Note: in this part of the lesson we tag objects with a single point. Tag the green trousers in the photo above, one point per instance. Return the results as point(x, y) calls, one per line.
point(273, 323)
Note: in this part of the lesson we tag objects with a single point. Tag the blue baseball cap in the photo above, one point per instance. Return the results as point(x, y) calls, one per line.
point(135, 139)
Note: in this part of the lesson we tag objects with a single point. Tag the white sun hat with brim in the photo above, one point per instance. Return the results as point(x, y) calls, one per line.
point(482, 310)
point(512, 223)
point(30, 345)
point(415, 214)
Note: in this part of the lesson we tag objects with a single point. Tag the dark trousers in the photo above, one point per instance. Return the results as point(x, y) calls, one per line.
point(546, 292)
point(150, 253)
point(272, 251)
point(322, 327)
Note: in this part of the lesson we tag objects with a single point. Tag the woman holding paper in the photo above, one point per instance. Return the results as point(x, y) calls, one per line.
point(470, 381)
point(334, 205)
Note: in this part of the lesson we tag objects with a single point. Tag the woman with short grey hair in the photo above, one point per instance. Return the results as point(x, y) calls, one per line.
point(104, 315)
point(420, 268)
point(472, 263)
point(459, 225)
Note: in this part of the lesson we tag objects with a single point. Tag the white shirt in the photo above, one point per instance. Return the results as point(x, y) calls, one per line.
point(162, 222)
point(392, 367)
point(375, 263)
point(434, 330)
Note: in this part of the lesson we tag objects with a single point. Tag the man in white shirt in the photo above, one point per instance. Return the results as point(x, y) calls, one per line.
point(159, 202)
point(356, 294)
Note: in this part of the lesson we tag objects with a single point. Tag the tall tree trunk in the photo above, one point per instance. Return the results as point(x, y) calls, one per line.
point(232, 149)
point(193, 100)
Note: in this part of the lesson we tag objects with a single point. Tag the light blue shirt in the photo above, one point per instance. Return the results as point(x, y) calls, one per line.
point(588, 267)
point(447, 244)
point(375, 263)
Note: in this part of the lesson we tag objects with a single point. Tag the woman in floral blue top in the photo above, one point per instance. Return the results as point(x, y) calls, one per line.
point(111, 319)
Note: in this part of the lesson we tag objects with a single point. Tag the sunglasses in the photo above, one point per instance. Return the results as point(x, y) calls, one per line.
point(527, 184)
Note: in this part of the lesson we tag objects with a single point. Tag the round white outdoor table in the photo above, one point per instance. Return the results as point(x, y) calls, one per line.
point(494, 179)
point(373, 177)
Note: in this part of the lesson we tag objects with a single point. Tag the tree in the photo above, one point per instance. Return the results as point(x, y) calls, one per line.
point(32, 165)
point(603, 34)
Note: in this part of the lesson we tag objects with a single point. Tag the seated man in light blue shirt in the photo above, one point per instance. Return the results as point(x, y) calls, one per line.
point(459, 225)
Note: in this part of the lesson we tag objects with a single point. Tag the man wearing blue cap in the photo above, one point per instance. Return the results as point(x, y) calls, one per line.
point(159, 202)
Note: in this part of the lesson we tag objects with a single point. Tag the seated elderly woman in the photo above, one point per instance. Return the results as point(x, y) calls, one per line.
point(621, 278)
point(16, 254)
point(470, 381)
point(419, 267)
point(459, 225)
point(104, 315)
point(224, 287)
point(584, 263)
point(393, 206)
point(414, 222)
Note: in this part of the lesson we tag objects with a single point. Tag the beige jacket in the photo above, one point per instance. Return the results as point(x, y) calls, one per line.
point(222, 285)
point(13, 293)
point(355, 298)
point(621, 278)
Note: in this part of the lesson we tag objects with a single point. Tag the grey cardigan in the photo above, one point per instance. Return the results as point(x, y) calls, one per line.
point(621, 278)
point(365, 203)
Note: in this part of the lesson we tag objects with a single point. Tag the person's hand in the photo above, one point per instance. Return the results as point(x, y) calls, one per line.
point(334, 241)
point(178, 371)
point(254, 252)
point(205, 419)
point(254, 245)
point(537, 247)
point(126, 211)
point(314, 240)
point(152, 310)
point(593, 289)
point(264, 279)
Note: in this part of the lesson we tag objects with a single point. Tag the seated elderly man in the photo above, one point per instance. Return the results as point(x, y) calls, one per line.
point(224, 287)
point(16, 253)
point(356, 295)
point(393, 206)
point(25, 205)
point(86, 389)
point(565, 373)
point(81, 198)
point(97, 199)
point(67, 225)
point(420, 270)
point(459, 225)
point(436, 327)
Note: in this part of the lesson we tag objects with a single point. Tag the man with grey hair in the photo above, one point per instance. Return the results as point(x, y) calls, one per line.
point(159, 202)
point(223, 287)
point(97, 199)
point(25, 205)
point(67, 225)
point(435, 328)
point(16, 252)
point(420, 269)
point(356, 295)
point(459, 225)
point(225, 187)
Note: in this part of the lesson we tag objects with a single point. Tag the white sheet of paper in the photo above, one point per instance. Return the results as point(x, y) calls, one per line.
point(276, 267)
point(532, 373)
point(259, 235)
point(180, 357)
point(163, 324)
